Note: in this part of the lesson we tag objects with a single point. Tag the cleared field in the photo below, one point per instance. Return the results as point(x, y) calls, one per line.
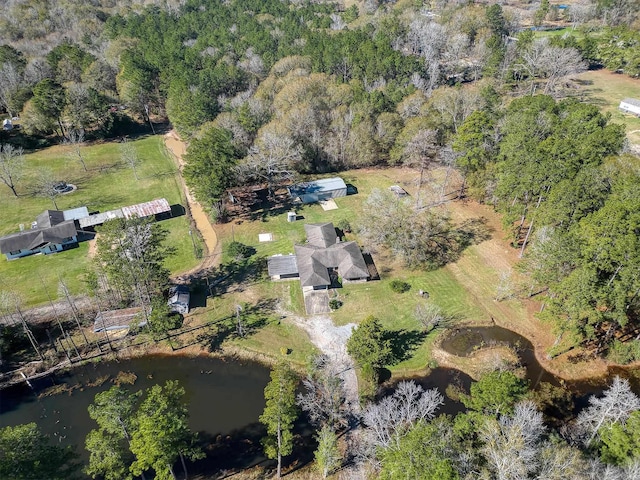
point(465, 290)
point(606, 89)
point(106, 184)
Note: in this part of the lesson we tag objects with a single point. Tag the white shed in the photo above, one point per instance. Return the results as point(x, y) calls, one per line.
point(630, 105)
point(318, 190)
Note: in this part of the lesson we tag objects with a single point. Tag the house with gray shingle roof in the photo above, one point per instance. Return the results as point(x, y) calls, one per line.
point(50, 233)
point(322, 258)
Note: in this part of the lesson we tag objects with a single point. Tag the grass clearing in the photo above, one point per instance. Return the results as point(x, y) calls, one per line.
point(606, 89)
point(107, 184)
point(464, 290)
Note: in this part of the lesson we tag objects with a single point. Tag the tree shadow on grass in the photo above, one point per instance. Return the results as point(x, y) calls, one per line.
point(470, 232)
point(237, 275)
point(404, 343)
point(252, 318)
point(233, 276)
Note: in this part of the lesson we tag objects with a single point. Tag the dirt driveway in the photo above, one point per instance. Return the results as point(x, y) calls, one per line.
point(212, 256)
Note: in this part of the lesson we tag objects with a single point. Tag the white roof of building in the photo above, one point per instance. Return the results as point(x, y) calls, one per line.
point(632, 101)
point(75, 213)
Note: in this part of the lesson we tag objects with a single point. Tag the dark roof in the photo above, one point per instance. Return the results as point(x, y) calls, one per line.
point(352, 264)
point(314, 262)
point(313, 273)
point(36, 237)
point(49, 218)
point(321, 234)
point(282, 265)
point(179, 294)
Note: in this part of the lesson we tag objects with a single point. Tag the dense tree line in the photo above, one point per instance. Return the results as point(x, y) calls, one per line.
point(551, 169)
point(185, 59)
point(503, 434)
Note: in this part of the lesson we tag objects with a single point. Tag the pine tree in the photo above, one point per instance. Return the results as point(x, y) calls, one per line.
point(280, 412)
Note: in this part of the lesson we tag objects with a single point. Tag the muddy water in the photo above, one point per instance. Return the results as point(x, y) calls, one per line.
point(224, 397)
point(463, 342)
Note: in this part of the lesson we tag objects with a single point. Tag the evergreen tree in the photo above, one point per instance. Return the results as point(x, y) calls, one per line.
point(280, 413)
point(162, 433)
point(26, 454)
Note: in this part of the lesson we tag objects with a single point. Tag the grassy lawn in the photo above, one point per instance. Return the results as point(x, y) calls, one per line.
point(107, 184)
point(447, 287)
point(607, 89)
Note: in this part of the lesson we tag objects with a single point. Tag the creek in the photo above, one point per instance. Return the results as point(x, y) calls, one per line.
point(225, 397)
point(464, 341)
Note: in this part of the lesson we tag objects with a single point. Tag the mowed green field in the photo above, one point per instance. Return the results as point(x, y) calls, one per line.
point(606, 89)
point(107, 184)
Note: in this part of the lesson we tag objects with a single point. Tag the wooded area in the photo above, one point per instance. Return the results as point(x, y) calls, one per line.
point(267, 93)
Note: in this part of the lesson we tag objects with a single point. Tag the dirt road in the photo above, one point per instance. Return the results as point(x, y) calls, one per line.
point(212, 255)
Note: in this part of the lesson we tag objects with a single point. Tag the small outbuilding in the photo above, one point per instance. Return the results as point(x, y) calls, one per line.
point(318, 190)
point(630, 105)
point(7, 125)
point(179, 298)
point(122, 319)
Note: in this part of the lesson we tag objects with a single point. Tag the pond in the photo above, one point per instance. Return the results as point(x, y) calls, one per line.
point(464, 341)
point(225, 400)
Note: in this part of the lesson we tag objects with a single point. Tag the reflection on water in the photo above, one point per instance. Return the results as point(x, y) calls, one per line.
point(223, 397)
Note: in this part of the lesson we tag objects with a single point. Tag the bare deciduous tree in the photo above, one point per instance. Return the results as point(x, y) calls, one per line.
point(272, 159)
point(47, 186)
point(505, 288)
point(129, 156)
point(324, 398)
point(617, 403)
point(388, 420)
point(10, 83)
point(252, 62)
point(75, 140)
point(11, 166)
point(12, 302)
point(544, 61)
point(419, 152)
point(429, 315)
point(511, 444)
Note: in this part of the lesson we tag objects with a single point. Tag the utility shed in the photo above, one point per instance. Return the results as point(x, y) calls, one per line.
point(630, 105)
point(179, 298)
point(323, 189)
point(118, 319)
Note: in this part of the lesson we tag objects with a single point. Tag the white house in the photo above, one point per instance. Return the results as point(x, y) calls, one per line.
point(630, 105)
